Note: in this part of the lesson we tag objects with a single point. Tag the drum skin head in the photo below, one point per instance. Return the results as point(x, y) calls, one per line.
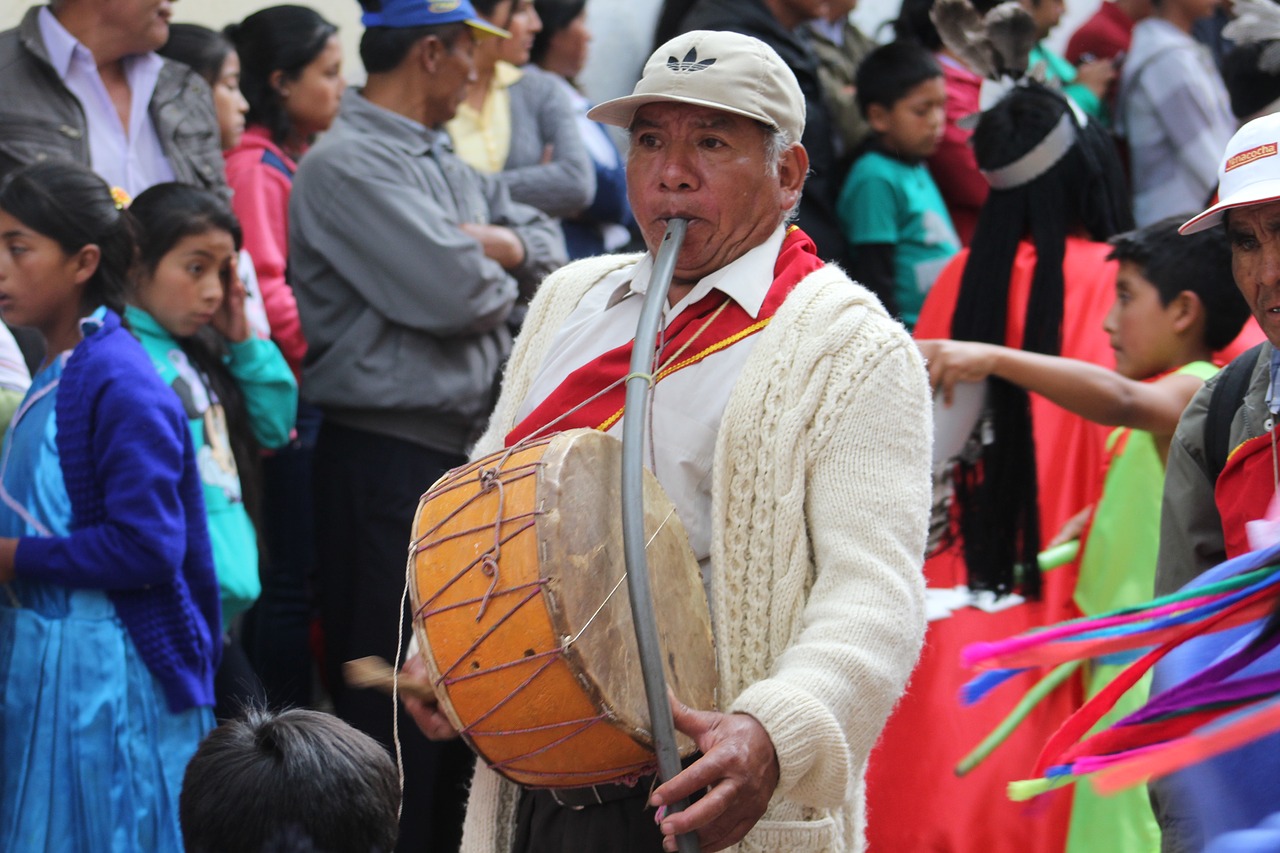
point(536, 662)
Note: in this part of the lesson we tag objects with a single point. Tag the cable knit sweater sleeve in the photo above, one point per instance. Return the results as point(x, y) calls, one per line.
point(822, 492)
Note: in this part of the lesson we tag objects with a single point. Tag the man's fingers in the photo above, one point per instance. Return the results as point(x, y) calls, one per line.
point(694, 778)
point(688, 721)
point(702, 813)
point(430, 719)
point(724, 834)
point(716, 835)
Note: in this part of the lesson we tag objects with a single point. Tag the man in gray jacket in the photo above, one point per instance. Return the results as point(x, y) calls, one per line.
point(82, 83)
point(406, 264)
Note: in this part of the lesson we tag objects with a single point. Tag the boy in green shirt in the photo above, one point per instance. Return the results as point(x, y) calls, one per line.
point(891, 212)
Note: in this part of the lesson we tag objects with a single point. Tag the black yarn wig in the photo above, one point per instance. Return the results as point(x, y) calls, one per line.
point(1084, 192)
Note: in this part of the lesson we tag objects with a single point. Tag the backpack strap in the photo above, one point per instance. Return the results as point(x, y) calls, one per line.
point(1224, 401)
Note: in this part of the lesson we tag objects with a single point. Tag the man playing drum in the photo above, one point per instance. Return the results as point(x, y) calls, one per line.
point(793, 439)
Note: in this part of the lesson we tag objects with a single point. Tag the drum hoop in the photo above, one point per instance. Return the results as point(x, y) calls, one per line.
point(582, 671)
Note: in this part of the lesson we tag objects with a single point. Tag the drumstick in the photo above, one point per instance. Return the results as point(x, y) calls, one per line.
point(376, 673)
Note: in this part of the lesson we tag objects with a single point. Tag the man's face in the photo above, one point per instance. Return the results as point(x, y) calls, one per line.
point(808, 10)
point(1254, 233)
point(1045, 13)
point(709, 167)
point(1195, 9)
point(141, 24)
point(454, 71)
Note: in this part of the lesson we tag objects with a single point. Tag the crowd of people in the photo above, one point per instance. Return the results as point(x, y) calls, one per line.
point(251, 315)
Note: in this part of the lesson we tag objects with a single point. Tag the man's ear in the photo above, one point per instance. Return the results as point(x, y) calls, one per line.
point(430, 49)
point(793, 168)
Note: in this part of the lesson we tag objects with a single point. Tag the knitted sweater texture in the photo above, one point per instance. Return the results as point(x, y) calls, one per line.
point(820, 502)
point(138, 529)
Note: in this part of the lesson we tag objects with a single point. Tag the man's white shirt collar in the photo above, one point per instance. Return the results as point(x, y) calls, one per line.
point(746, 280)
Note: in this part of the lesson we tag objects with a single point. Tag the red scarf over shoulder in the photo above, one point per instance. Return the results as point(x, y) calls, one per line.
point(593, 395)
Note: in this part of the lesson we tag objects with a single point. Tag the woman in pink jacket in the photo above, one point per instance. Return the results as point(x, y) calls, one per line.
point(291, 75)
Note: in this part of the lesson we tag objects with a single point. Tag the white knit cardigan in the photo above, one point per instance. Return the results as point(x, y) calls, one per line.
point(820, 500)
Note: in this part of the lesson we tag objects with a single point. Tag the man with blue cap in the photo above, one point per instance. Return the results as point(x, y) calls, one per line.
point(406, 264)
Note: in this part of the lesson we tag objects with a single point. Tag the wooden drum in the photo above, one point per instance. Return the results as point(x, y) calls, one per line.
point(521, 609)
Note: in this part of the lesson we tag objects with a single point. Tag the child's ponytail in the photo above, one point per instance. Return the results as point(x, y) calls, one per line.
point(70, 204)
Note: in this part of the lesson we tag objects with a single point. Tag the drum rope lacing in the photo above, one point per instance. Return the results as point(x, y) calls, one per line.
point(490, 560)
point(492, 478)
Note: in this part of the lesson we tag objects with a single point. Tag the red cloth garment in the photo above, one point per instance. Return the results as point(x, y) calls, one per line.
point(953, 166)
point(914, 800)
point(592, 396)
point(1243, 491)
point(1107, 33)
point(260, 175)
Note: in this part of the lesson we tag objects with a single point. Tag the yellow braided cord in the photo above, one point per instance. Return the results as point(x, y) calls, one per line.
point(693, 359)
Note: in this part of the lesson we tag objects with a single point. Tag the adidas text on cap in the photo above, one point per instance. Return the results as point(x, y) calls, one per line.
point(720, 70)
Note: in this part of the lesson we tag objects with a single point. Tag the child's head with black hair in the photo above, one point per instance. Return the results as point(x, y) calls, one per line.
point(199, 48)
point(901, 93)
point(1176, 299)
point(66, 248)
point(273, 781)
point(187, 253)
point(212, 55)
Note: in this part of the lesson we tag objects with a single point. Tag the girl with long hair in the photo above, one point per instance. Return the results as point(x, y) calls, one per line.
point(187, 308)
point(109, 612)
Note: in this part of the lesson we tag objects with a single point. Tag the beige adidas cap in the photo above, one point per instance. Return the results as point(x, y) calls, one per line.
point(724, 71)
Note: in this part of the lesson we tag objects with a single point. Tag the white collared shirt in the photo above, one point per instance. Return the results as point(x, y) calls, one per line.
point(130, 158)
point(688, 404)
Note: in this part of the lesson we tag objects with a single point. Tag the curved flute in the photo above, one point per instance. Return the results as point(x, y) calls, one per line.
point(633, 535)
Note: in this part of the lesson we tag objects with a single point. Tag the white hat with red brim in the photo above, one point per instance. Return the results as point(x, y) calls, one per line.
point(1249, 174)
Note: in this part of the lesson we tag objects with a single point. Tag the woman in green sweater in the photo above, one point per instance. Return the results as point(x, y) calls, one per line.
point(239, 395)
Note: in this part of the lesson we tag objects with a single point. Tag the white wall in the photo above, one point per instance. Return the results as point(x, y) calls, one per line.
point(623, 31)
point(219, 13)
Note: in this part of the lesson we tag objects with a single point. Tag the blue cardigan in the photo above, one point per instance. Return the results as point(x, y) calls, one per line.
point(138, 524)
